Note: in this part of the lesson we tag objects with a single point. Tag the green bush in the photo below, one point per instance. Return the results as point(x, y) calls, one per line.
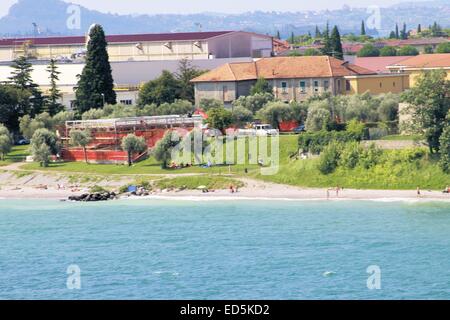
point(315, 142)
point(350, 155)
point(329, 158)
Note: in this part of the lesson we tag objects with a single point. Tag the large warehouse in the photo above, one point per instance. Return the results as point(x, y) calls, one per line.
point(145, 47)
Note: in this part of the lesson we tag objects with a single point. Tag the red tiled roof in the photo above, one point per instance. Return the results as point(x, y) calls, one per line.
point(149, 37)
point(378, 64)
point(437, 60)
point(283, 68)
point(412, 42)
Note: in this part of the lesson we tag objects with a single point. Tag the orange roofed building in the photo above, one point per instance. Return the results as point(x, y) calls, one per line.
point(414, 66)
point(294, 78)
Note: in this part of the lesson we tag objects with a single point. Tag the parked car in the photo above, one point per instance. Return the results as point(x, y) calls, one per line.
point(299, 129)
point(23, 142)
point(259, 130)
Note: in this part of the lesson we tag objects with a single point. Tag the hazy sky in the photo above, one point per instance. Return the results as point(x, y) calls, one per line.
point(231, 6)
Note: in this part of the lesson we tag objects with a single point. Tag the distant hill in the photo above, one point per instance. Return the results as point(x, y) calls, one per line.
point(51, 16)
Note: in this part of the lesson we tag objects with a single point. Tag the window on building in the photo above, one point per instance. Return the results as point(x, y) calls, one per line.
point(326, 85)
point(284, 87)
point(316, 86)
point(302, 86)
point(348, 87)
point(127, 102)
point(339, 85)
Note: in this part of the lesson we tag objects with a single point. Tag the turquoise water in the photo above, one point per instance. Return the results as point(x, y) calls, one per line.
point(156, 249)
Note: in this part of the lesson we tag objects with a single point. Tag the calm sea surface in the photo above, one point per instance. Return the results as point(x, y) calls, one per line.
point(160, 249)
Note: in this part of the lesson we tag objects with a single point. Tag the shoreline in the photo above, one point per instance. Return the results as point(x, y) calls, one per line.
point(264, 191)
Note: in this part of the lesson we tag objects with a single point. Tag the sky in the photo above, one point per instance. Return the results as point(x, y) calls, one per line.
point(229, 6)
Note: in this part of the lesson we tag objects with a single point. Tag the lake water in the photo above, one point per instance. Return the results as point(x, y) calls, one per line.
point(160, 249)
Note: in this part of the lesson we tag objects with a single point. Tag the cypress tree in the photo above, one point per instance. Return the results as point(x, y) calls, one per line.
point(397, 35)
point(336, 44)
point(419, 28)
point(278, 36)
point(52, 106)
point(292, 38)
point(318, 34)
point(96, 85)
point(404, 34)
point(363, 28)
point(327, 49)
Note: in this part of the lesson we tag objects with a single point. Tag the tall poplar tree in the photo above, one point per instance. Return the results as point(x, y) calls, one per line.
point(96, 85)
point(363, 28)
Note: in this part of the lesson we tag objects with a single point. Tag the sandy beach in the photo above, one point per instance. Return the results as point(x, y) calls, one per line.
point(253, 190)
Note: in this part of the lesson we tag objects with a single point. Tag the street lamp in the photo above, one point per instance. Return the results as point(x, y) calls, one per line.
point(103, 97)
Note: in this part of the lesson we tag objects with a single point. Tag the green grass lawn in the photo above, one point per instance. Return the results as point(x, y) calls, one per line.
point(425, 173)
point(17, 154)
point(191, 183)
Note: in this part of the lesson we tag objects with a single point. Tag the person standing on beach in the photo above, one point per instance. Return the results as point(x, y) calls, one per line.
point(418, 192)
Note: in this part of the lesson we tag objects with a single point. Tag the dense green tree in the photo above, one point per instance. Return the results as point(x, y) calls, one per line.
point(419, 28)
point(275, 112)
point(443, 48)
point(22, 79)
point(96, 84)
point(408, 51)
point(318, 117)
point(329, 158)
point(52, 105)
point(133, 145)
point(5, 142)
point(185, 73)
point(13, 105)
point(80, 138)
point(254, 102)
point(363, 28)
point(261, 86)
point(241, 115)
point(311, 52)
point(444, 141)
point(388, 51)
point(164, 147)
point(219, 118)
point(44, 144)
point(208, 104)
point(392, 35)
point(179, 107)
point(428, 49)
point(165, 88)
point(368, 50)
point(336, 44)
point(429, 104)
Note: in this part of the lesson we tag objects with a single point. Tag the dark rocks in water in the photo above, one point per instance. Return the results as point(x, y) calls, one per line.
point(92, 197)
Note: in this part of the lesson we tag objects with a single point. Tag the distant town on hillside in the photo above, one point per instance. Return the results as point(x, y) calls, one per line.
point(33, 17)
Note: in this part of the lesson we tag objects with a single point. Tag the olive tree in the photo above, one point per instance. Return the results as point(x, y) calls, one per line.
point(164, 147)
point(80, 138)
point(44, 143)
point(132, 144)
point(5, 142)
